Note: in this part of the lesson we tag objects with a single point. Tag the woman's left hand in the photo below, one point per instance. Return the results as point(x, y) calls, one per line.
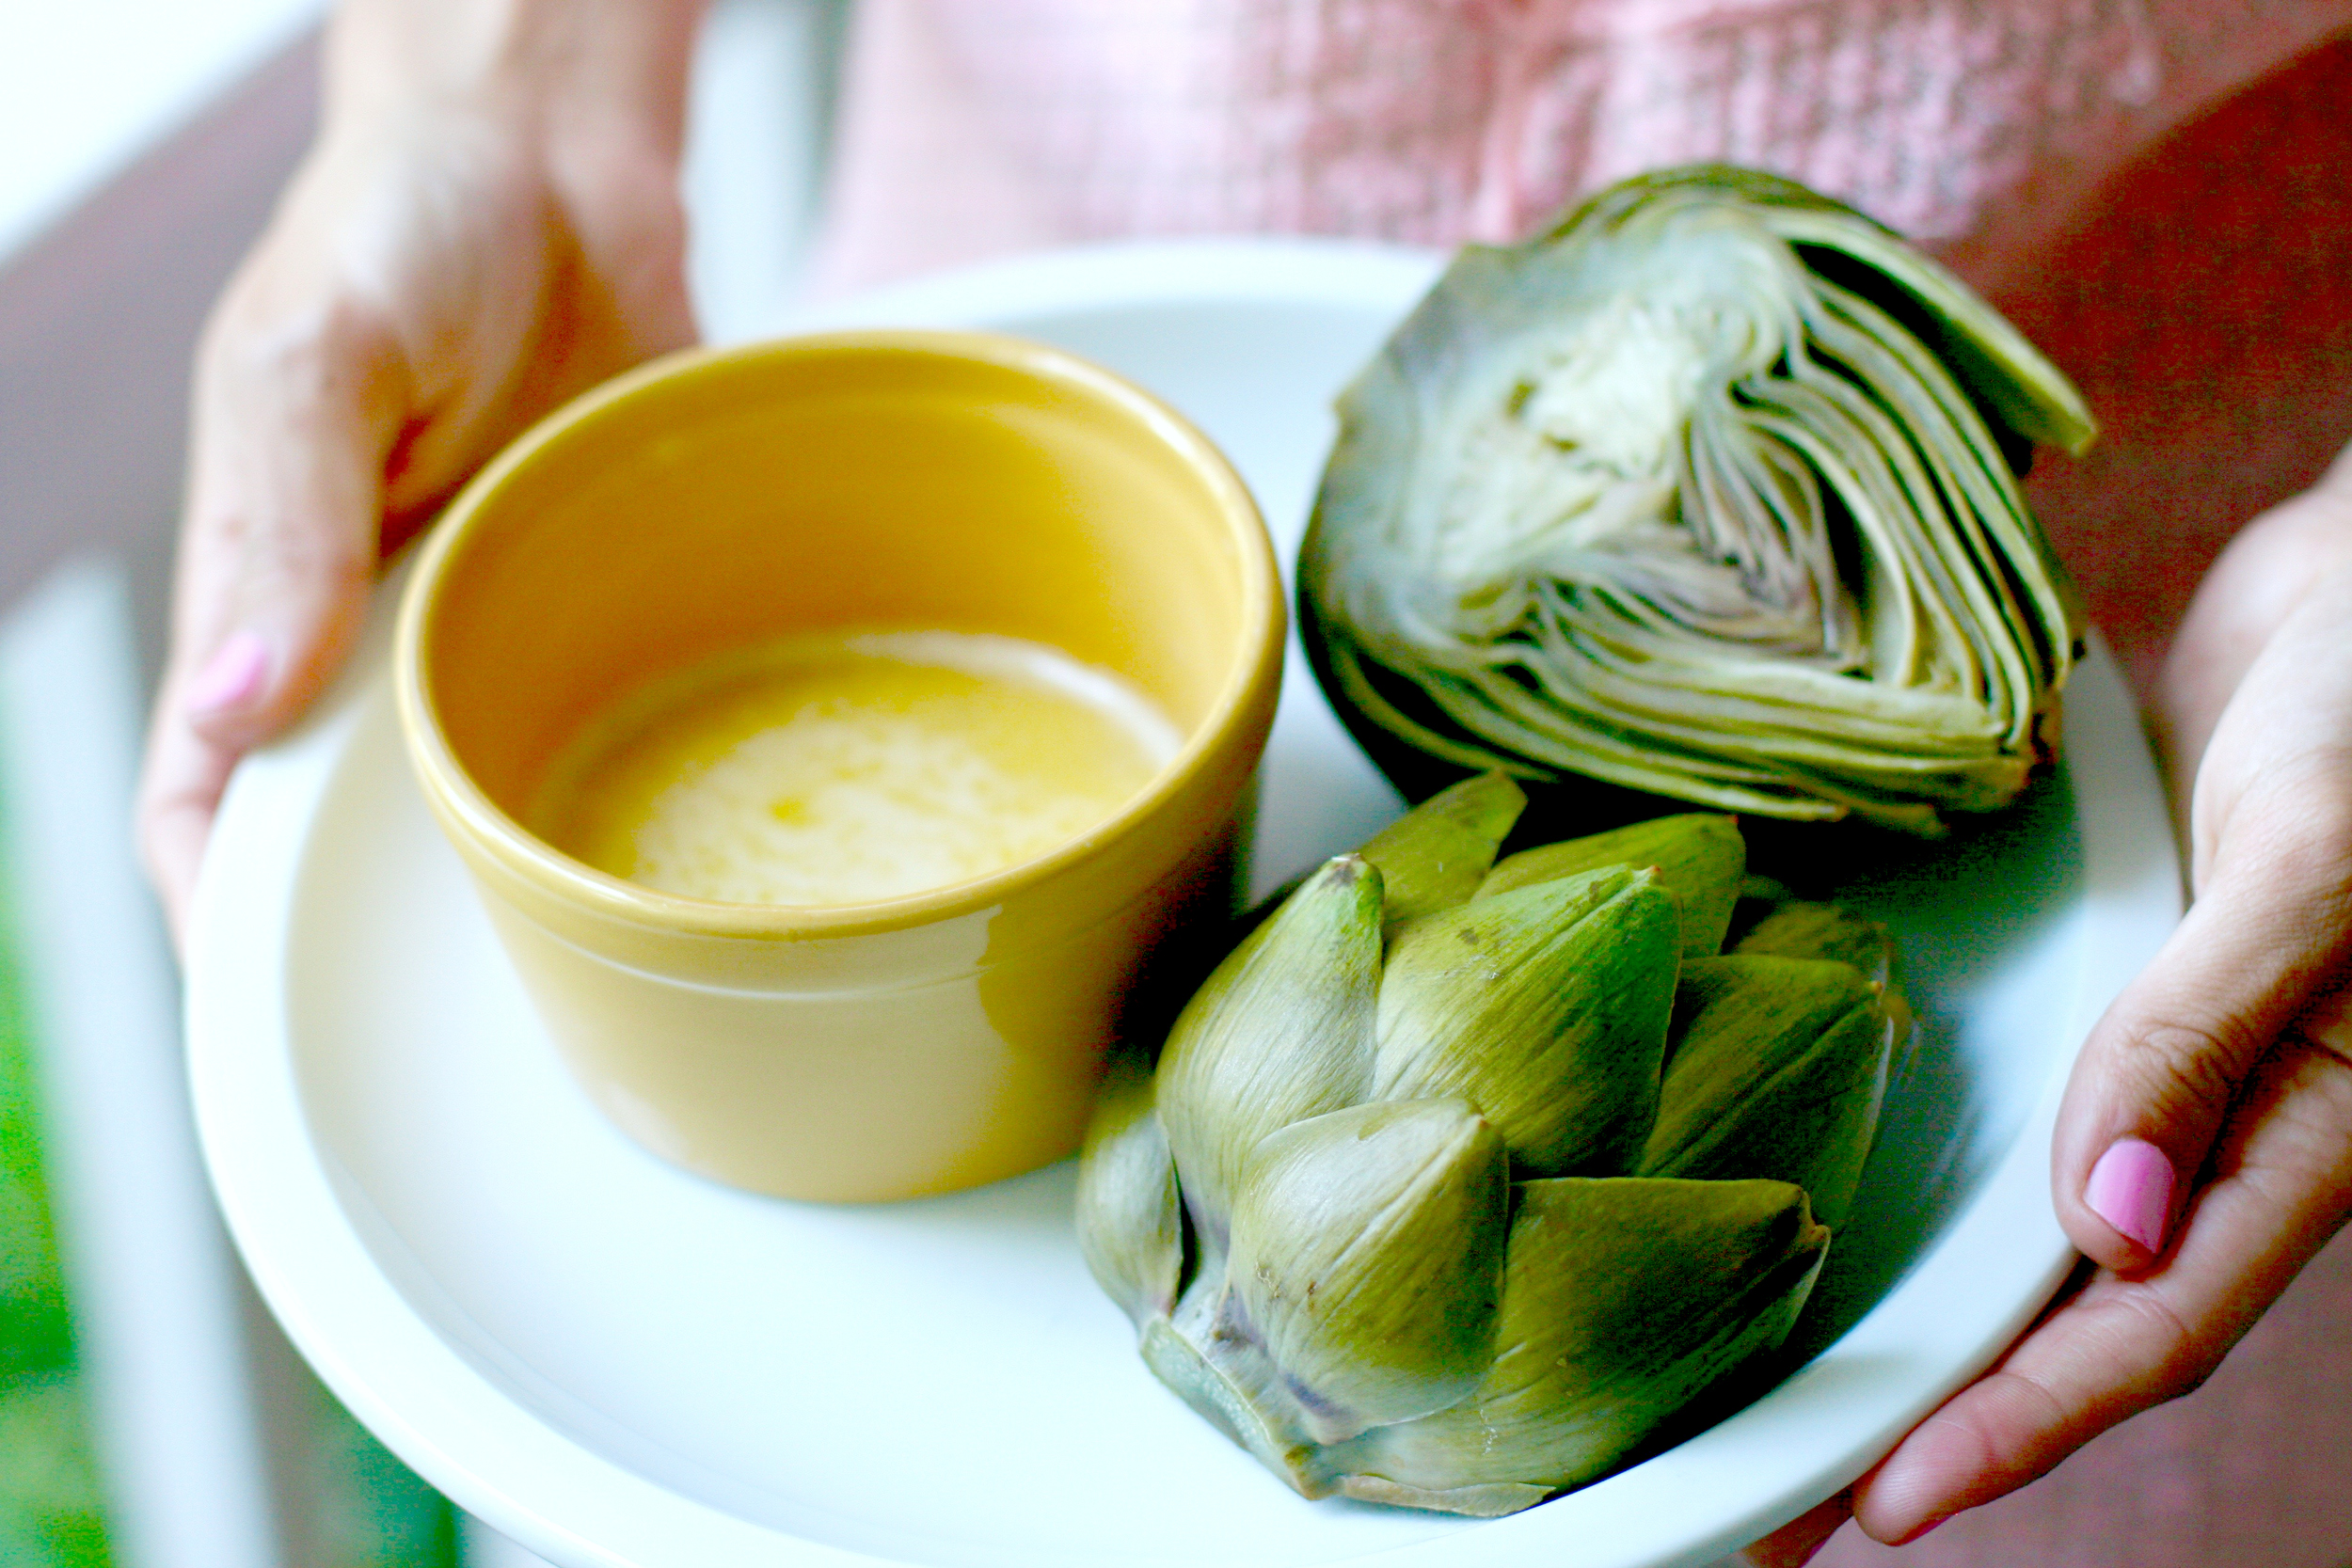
point(2204, 1148)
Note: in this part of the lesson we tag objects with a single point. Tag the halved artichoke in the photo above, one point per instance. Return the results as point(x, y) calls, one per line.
point(1704, 493)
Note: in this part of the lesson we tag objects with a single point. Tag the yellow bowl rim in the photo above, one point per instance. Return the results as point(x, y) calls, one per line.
point(1254, 683)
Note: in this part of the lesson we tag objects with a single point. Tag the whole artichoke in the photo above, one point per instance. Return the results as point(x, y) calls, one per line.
point(1457, 1180)
point(1706, 493)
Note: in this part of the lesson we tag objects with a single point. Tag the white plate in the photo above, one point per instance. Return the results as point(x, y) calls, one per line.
point(617, 1364)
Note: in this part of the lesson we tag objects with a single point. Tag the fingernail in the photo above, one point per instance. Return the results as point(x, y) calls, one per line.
point(231, 677)
point(2131, 1188)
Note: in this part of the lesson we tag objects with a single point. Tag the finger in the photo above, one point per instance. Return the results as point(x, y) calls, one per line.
point(295, 412)
point(291, 425)
point(562, 292)
point(181, 781)
point(1793, 1544)
point(632, 236)
point(2160, 1071)
point(613, 160)
point(2282, 1187)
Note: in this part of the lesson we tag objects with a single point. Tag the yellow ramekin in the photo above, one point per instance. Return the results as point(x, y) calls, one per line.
point(717, 499)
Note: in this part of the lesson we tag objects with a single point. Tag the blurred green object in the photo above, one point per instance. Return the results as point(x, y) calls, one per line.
point(52, 1503)
point(361, 1507)
point(349, 1502)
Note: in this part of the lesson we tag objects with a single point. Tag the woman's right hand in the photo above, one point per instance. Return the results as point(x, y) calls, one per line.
point(488, 224)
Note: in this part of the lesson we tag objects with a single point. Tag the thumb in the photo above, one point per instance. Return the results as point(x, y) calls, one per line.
point(2159, 1073)
point(291, 430)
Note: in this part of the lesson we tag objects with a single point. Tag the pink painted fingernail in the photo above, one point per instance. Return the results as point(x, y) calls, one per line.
point(231, 677)
point(2131, 1188)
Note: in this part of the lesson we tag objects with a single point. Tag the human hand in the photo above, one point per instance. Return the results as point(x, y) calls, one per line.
point(2204, 1148)
point(488, 224)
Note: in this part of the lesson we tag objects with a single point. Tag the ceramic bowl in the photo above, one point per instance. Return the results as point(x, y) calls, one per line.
point(719, 499)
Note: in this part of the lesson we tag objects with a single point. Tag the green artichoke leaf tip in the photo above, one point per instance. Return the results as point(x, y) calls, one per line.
point(1436, 855)
point(1701, 858)
point(1546, 1007)
point(1779, 1070)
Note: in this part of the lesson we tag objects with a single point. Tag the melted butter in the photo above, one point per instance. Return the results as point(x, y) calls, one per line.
point(844, 769)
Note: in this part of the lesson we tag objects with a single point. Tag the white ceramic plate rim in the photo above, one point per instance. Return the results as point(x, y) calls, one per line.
point(1986, 1277)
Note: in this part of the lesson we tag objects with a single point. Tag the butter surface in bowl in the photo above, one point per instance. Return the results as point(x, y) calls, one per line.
point(838, 769)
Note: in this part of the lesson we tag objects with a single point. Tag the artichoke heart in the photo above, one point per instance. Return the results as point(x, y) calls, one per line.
point(1458, 1184)
point(1704, 493)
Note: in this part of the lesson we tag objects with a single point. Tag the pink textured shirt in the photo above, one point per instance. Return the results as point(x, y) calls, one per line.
point(978, 126)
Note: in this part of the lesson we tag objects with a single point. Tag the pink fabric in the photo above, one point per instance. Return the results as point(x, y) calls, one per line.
point(2202, 300)
point(978, 126)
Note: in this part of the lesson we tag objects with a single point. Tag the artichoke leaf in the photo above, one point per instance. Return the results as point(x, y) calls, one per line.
point(1777, 1071)
point(1233, 1386)
point(1359, 689)
point(1282, 1030)
point(1604, 746)
point(1435, 856)
point(1800, 930)
point(1546, 1009)
point(1701, 860)
point(1625, 1300)
point(1130, 1211)
point(1367, 1257)
point(1479, 1500)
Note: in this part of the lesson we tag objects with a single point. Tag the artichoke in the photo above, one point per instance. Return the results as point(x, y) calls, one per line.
point(1706, 493)
point(1457, 1182)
